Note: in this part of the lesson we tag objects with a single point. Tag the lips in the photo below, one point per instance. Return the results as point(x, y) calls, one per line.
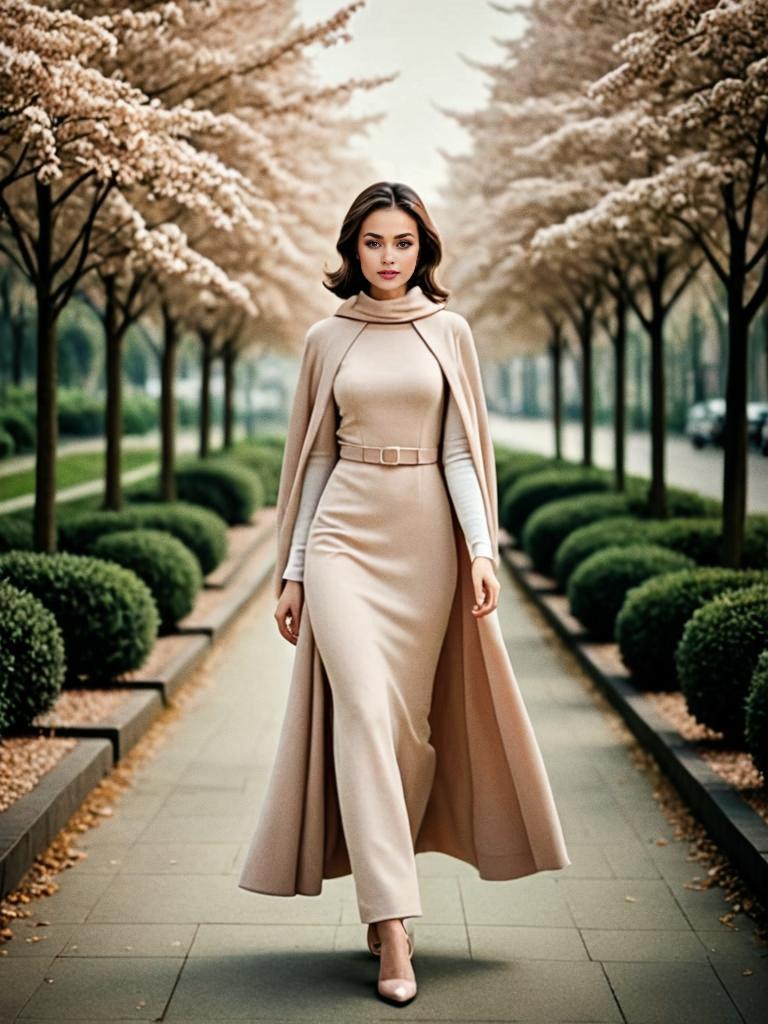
point(388, 273)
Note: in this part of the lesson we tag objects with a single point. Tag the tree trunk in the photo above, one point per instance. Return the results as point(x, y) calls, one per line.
point(657, 496)
point(206, 360)
point(113, 494)
point(620, 391)
point(735, 428)
point(586, 323)
point(230, 358)
point(168, 406)
point(44, 528)
point(556, 354)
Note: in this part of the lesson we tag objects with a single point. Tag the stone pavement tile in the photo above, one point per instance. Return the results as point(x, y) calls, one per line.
point(140, 805)
point(659, 993)
point(440, 902)
point(30, 939)
point(732, 943)
point(102, 859)
point(173, 899)
point(606, 944)
point(74, 900)
point(285, 985)
point(630, 860)
point(104, 987)
point(206, 802)
point(246, 939)
point(342, 987)
point(130, 940)
point(748, 991)
point(672, 863)
point(703, 909)
point(526, 943)
point(623, 903)
point(192, 828)
point(588, 860)
point(180, 858)
point(18, 980)
point(114, 830)
point(533, 900)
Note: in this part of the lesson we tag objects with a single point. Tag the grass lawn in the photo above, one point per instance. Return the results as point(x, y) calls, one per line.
point(72, 470)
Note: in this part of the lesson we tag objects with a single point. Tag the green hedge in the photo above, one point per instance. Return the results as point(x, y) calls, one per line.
point(586, 540)
point(231, 490)
point(202, 531)
point(717, 655)
point(598, 587)
point(218, 483)
point(167, 566)
point(15, 534)
point(32, 658)
point(7, 446)
point(541, 486)
point(106, 613)
point(700, 538)
point(653, 617)
point(266, 462)
point(547, 527)
point(21, 428)
point(756, 716)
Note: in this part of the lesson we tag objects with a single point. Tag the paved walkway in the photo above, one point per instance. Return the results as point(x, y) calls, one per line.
point(153, 927)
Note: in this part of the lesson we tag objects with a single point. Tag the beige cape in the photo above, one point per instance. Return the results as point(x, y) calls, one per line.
point(491, 804)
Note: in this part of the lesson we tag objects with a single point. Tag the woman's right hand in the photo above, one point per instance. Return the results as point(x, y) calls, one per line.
point(288, 611)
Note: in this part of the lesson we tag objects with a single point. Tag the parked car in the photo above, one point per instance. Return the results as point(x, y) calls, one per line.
point(757, 414)
point(705, 422)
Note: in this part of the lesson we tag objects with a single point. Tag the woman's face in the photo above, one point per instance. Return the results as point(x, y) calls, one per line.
point(388, 241)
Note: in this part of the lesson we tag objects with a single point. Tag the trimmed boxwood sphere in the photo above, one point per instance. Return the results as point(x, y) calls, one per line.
point(535, 489)
point(756, 716)
point(598, 587)
point(231, 490)
point(652, 619)
point(169, 569)
point(586, 540)
point(32, 659)
point(106, 613)
point(200, 529)
point(549, 525)
point(717, 655)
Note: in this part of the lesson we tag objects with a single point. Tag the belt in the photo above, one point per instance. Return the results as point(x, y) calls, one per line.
point(403, 454)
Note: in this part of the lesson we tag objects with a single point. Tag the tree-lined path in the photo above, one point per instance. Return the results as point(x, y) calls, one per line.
point(152, 926)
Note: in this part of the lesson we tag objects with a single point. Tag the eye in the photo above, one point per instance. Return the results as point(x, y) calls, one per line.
point(371, 242)
point(406, 243)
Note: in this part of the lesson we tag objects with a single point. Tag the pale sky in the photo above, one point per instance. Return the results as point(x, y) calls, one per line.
point(422, 39)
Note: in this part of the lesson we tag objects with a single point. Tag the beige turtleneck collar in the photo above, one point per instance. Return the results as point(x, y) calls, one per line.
point(412, 306)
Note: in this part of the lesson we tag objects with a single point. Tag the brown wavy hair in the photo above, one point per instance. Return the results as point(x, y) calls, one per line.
point(349, 279)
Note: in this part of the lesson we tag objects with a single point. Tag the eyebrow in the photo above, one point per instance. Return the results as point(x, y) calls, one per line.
point(404, 234)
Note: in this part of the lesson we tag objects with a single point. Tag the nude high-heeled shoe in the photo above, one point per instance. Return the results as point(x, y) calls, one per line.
point(397, 991)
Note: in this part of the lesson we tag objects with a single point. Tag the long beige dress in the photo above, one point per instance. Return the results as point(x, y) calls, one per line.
point(379, 579)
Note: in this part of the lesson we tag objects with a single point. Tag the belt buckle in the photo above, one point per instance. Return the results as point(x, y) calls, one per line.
point(389, 448)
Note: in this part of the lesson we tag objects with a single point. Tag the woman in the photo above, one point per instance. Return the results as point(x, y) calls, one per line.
point(403, 702)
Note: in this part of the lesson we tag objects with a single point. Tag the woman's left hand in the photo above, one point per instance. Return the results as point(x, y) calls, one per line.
point(485, 585)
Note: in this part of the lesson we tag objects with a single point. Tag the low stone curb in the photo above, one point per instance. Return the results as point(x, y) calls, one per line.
point(31, 824)
point(123, 728)
point(737, 829)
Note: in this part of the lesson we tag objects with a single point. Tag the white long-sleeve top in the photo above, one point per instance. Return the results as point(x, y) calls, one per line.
point(460, 477)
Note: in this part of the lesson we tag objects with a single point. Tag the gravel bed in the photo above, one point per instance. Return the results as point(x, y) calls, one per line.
point(736, 767)
point(83, 707)
point(24, 760)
